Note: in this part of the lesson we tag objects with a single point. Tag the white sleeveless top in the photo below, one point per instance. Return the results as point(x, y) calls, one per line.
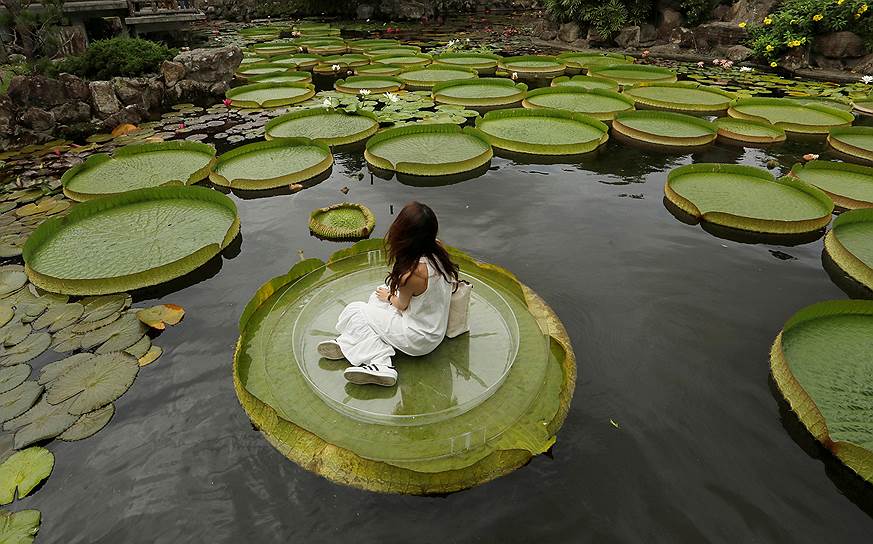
point(420, 328)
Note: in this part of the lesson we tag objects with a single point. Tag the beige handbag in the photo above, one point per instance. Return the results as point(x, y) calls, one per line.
point(459, 309)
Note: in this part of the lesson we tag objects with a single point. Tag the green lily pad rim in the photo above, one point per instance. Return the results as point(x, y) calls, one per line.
point(425, 84)
point(425, 59)
point(489, 60)
point(256, 184)
point(557, 68)
point(393, 50)
point(425, 169)
point(378, 70)
point(855, 457)
point(668, 74)
point(363, 45)
point(840, 254)
point(664, 139)
point(241, 72)
point(792, 126)
point(273, 102)
point(835, 141)
point(119, 284)
point(347, 59)
point(396, 84)
point(440, 97)
point(603, 116)
point(841, 201)
point(569, 58)
point(350, 469)
point(677, 106)
point(768, 226)
point(137, 149)
point(560, 80)
point(306, 77)
point(541, 149)
point(314, 112)
point(308, 63)
point(724, 132)
point(320, 229)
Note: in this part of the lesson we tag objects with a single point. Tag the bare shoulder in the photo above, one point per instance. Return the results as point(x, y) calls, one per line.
point(416, 281)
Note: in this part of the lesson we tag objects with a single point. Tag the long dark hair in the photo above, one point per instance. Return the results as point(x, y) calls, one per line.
point(413, 235)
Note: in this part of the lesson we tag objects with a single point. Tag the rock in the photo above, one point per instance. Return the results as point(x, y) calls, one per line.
point(189, 91)
point(404, 9)
point(545, 29)
point(683, 37)
point(827, 63)
point(750, 11)
point(628, 37)
point(669, 20)
point(365, 11)
point(210, 65)
point(38, 119)
point(74, 87)
point(595, 38)
point(839, 45)
point(218, 89)
point(795, 59)
point(721, 12)
point(36, 90)
point(648, 34)
point(103, 98)
point(147, 92)
point(719, 36)
point(580, 44)
point(864, 65)
point(132, 114)
point(569, 32)
point(738, 53)
point(172, 72)
point(72, 112)
point(664, 50)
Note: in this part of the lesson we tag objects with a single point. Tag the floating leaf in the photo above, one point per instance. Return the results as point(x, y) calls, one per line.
point(19, 527)
point(140, 348)
point(101, 307)
point(427, 150)
point(330, 127)
point(158, 317)
point(94, 383)
point(542, 131)
point(117, 336)
point(89, 424)
point(42, 422)
point(271, 164)
point(53, 371)
point(479, 92)
point(6, 314)
point(23, 471)
point(664, 128)
point(151, 356)
point(14, 333)
point(13, 376)
point(17, 401)
point(59, 316)
point(342, 221)
point(791, 115)
point(11, 280)
point(31, 347)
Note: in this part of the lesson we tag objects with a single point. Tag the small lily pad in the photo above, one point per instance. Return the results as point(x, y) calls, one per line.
point(59, 316)
point(87, 326)
point(140, 348)
point(158, 317)
point(6, 314)
point(118, 335)
point(31, 347)
point(13, 376)
point(11, 280)
point(42, 422)
point(101, 307)
point(19, 527)
point(55, 370)
point(89, 424)
point(151, 356)
point(94, 383)
point(17, 401)
point(14, 333)
point(23, 471)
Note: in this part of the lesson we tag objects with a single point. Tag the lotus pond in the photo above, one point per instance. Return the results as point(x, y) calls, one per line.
point(670, 247)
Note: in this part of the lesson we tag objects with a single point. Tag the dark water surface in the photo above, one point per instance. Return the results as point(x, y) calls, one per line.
point(671, 326)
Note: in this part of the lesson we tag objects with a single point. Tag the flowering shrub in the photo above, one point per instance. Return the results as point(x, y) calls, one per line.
point(796, 23)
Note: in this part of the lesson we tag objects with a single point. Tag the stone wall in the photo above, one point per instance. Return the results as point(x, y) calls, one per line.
point(39, 109)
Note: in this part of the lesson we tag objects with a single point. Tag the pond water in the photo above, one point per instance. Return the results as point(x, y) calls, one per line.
point(676, 432)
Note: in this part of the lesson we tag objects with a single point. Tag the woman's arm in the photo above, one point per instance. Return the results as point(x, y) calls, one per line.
point(413, 284)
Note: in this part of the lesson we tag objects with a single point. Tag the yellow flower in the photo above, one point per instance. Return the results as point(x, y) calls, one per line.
point(773, 64)
point(743, 24)
point(817, 17)
point(768, 20)
point(794, 43)
point(769, 48)
point(840, 2)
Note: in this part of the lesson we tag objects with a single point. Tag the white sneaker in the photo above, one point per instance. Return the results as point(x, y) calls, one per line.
point(329, 349)
point(371, 373)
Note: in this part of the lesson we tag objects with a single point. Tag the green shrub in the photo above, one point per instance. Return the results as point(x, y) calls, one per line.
point(127, 57)
point(605, 16)
point(796, 23)
point(697, 11)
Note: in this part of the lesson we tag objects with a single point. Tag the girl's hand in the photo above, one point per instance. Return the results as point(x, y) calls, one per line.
point(383, 294)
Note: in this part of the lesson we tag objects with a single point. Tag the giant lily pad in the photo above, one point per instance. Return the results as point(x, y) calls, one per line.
point(88, 424)
point(324, 48)
point(503, 415)
point(483, 92)
point(270, 95)
point(683, 97)
point(542, 132)
point(23, 471)
point(583, 60)
point(94, 383)
point(372, 84)
point(632, 74)
point(664, 128)
point(370, 43)
point(748, 198)
point(585, 82)
point(856, 142)
point(427, 150)
point(15, 402)
point(850, 186)
point(42, 422)
point(352, 60)
point(328, 126)
point(398, 50)
point(600, 104)
point(19, 527)
point(850, 245)
point(247, 71)
point(748, 131)
point(791, 115)
point(345, 221)
point(403, 60)
point(821, 364)
point(378, 70)
point(132, 240)
point(533, 66)
point(418, 79)
point(138, 166)
point(273, 49)
point(484, 63)
point(301, 61)
point(275, 163)
point(284, 77)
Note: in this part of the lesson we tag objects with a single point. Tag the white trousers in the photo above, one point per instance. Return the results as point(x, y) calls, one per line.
point(359, 342)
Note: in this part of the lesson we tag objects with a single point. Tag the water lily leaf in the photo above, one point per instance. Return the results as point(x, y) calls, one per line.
point(791, 115)
point(330, 127)
point(66, 340)
point(29, 348)
point(87, 326)
point(89, 424)
point(19, 527)
point(151, 356)
point(342, 221)
point(11, 280)
point(6, 314)
point(17, 401)
point(14, 333)
point(117, 336)
point(53, 371)
point(271, 164)
point(45, 207)
point(23, 471)
point(664, 128)
point(140, 348)
point(42, 422)
point(95, 382)
point(29, 311)
point(13, 376)
point(542, 131)
point(59, 316)
point(158, 317)
point(427, 150)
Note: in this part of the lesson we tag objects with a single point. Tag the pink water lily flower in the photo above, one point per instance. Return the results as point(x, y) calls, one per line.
point(810, 156)
point(227, 102)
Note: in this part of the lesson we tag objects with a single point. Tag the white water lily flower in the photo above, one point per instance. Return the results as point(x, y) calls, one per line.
point(328, 103)
point(514, 75)
point(364, 92)
point(867, 80)
point(335, 67)
point(745, 69)
point(392, 97)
